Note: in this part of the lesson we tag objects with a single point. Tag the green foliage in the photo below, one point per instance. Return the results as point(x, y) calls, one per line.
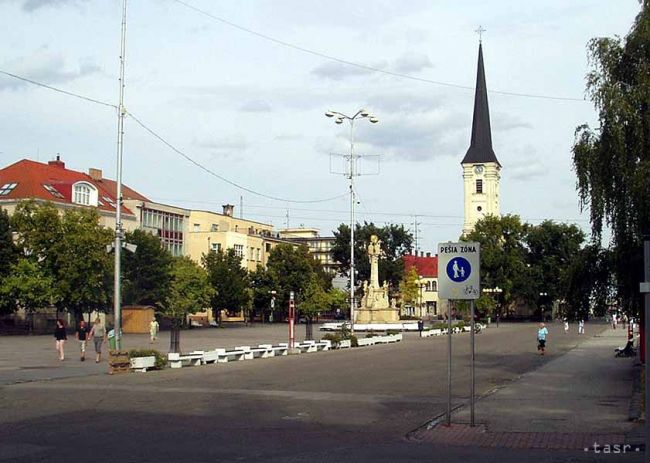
point(486, 304)
point(28, 286)
point(354, 341)
point(71, 249)
point(334, 338)
point(161, 360)
point(315, 299)
point(338, 300)
point(146, 273)
point(612, 162)
point(190, 290)
point(409, 288)
point(396, 242)
point(8, 257)
point(228, 279)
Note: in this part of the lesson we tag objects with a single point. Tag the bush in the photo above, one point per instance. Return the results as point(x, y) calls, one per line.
point(391, 332)
point(334, 338)
point(354, 342)
point(161, 361)
point(408, 317)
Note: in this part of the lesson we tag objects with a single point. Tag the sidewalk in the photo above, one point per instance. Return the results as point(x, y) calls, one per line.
point(571, 402)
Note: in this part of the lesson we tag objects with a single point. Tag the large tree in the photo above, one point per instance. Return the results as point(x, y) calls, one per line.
point(189, 293)
point(612, 161)
point(8, 256)
point(146, 273)
point(503, 257)
point(396, 242)
point(229, 280)
point(28, 288)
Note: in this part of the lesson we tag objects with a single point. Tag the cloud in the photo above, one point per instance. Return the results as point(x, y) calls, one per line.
point(222, 148)
point(33, 5)
point(527, 165)
point(256, 106)
point(339, 71)
point(419, 138)
point(44, 67)
point(411, 63)
point(504, 121)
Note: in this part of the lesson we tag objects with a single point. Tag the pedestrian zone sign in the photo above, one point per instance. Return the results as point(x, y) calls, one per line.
point(459, 270)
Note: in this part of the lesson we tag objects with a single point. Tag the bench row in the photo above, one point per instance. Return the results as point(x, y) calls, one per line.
point(239, 353)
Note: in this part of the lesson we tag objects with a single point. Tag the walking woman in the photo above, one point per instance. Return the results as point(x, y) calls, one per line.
point(98, 335)
point(60, 336)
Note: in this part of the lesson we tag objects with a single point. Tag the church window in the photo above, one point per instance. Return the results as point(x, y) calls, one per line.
point(479, 208)
point(479, 186)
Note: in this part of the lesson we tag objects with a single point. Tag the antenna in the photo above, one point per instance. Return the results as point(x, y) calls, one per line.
point(119, 231)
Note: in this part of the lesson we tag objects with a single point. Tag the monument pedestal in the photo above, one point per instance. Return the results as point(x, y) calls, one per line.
point(370, 316)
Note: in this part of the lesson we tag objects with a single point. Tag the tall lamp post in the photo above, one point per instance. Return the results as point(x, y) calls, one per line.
point(352, 160)
point(542, 297)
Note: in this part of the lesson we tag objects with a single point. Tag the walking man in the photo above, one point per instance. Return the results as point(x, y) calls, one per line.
point(566, 325)
point(581, 327)
point(542, 333)
point(82, 336)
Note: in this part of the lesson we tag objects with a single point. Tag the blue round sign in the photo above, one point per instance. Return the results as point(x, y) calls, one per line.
point(458, 269)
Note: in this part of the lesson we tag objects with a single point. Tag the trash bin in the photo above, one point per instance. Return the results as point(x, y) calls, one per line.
point(111, 339)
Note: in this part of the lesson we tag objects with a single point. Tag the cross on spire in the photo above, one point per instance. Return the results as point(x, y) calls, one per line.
point(480, 31)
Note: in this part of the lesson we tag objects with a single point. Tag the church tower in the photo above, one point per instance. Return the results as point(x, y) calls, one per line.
point(481, 168)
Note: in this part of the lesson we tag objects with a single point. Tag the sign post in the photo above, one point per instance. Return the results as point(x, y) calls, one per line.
point(292, 321)
point(459, 266)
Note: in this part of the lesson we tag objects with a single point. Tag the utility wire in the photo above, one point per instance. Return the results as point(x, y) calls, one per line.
point(65, 92)
point(224, 179)
point(364, 66)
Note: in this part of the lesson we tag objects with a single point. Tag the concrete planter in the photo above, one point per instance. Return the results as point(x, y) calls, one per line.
point(142, 363)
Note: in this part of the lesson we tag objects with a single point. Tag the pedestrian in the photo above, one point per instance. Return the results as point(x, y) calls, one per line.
point(153, 330)
point(98, 335)
point(542, 333)
point(566, 325)
point(624, 320)
point(581, 327)
point(420, 326)
point(82, 337)
point(614, 321)
point(60, 336)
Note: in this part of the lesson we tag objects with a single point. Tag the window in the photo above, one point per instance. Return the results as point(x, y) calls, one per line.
point(216, 247)
point(82, 193)
point(109, 200)
point(239, 250)
point(479, 186)
point(197, 227)
point(259, 254)
point(214, 227)
point(434, 286)
point(56, 193)
point(7, 188)
point(236, 227)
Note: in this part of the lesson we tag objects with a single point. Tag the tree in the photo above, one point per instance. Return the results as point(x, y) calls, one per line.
point(190, 292)
point(262, 286)
point(503, 257)
point(290, 268)
point(28, 287)
point(146, 273)
point(314, 300)
point(8, 257)
point(396, 242)
point(409, 288)
point(71, 249)
point(229, 280)
point(338, 301)
point(612, 162)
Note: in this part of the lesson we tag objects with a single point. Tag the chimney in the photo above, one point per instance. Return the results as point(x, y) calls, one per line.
point(228, 209)
point(95, 174)
point(57, 162)
point(428, 254)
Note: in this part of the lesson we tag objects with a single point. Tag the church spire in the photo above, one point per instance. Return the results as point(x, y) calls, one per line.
point(480, 149)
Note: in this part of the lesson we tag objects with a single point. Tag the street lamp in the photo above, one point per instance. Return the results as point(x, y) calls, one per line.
point(542, 295)
point(497, 292)
point(339, 118)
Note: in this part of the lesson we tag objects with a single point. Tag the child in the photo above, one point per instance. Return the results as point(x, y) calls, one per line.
point(542, 333)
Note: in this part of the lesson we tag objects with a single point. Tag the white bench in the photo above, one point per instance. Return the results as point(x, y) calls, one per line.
point(345, 344)
point(366, 341)
point(325, 344)
point(177, 360)
point(307, 347)
point(224, 356)
point(211, 356)
point(279, 350)
point(142, 363)
point(263, 351)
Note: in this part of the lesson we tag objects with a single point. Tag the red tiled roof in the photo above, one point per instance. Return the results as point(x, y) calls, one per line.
point(31, 176)
point(426, 266)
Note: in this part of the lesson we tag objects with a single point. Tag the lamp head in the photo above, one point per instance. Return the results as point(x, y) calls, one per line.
point(364, 113)
point(373, 119)
point(339, 121)
point(329, 114)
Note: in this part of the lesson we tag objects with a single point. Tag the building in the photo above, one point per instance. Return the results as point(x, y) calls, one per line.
point(211, 231)
point(64, 188)
point(481, 168)
point(428, 304)
point(320, 247)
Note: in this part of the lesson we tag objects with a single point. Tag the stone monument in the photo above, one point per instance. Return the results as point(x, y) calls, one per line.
point(375, 305)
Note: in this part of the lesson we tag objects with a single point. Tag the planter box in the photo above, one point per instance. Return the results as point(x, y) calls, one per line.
point(142, 363)
point(345, 343)
point(366, 341)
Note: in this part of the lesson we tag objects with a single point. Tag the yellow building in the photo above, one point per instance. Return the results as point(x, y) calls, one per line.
point(320, 247)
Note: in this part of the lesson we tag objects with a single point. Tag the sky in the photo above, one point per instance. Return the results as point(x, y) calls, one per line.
point(241, 88)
